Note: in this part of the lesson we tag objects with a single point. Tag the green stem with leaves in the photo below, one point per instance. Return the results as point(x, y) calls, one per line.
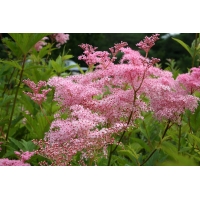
point(164, 133)
point(179, 135)
point(15, 98)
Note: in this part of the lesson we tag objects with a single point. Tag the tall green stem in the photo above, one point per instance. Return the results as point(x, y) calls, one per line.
point(15, 98)
point(179, 138)
point(164, 133)
point(179, 135)
point(112, 151)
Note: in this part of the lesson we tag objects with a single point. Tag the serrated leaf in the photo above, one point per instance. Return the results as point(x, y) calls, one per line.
point(16, 143)
point(25, 41)
point(9, 153)
point(28, 145)
point(12, 64)
point(13, 47)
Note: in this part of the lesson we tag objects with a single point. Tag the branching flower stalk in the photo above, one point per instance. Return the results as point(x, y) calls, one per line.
point(128, 122)
point(168, 126)
point(146, 46)
point(35, 95)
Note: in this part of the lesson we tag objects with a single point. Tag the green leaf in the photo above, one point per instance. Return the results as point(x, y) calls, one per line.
point(6, 99)
point(194, 119)
point(142, 143)
point(13, 47)
point(184, 45)
point(66, 57)
point(175, 158)
point(56, 66)
point(28, 145)
point(16, 143)
point(27, 103)
point(25, 41)
point(38, 74)
point(12, 64)
point(195, 138)
point(45, 50)
point(33, 67)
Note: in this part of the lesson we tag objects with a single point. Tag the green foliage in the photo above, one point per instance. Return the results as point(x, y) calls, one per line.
point(25, 41)
point(175, 158)
point(184, 45)
point(171, 66)
point(21, 119)
point(194, 50)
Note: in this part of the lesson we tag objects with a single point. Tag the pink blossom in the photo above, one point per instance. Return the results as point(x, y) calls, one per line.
point(168, 100)
point(7, 162)
point(38, 46)
point(117, 47)
point(148, 42)
point(92, 57)
point(61, 38)
point(35, 95)
point(190, 81)
point(131, 56)
point(24, 156)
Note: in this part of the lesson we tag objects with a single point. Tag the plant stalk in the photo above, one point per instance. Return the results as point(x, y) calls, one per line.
point(15, 98)
point(164, 133)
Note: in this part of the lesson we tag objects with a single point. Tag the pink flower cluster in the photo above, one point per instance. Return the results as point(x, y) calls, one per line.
point(148, 42)
point(92, 57)
point(38, 46)
point(35, 95)
point(60, 38)
point(190, 81)
point(105, 102)
point(7, 162)
point(168, 100)
point(23, 156)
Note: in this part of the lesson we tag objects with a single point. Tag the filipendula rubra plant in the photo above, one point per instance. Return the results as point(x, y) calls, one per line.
point(104, 103)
